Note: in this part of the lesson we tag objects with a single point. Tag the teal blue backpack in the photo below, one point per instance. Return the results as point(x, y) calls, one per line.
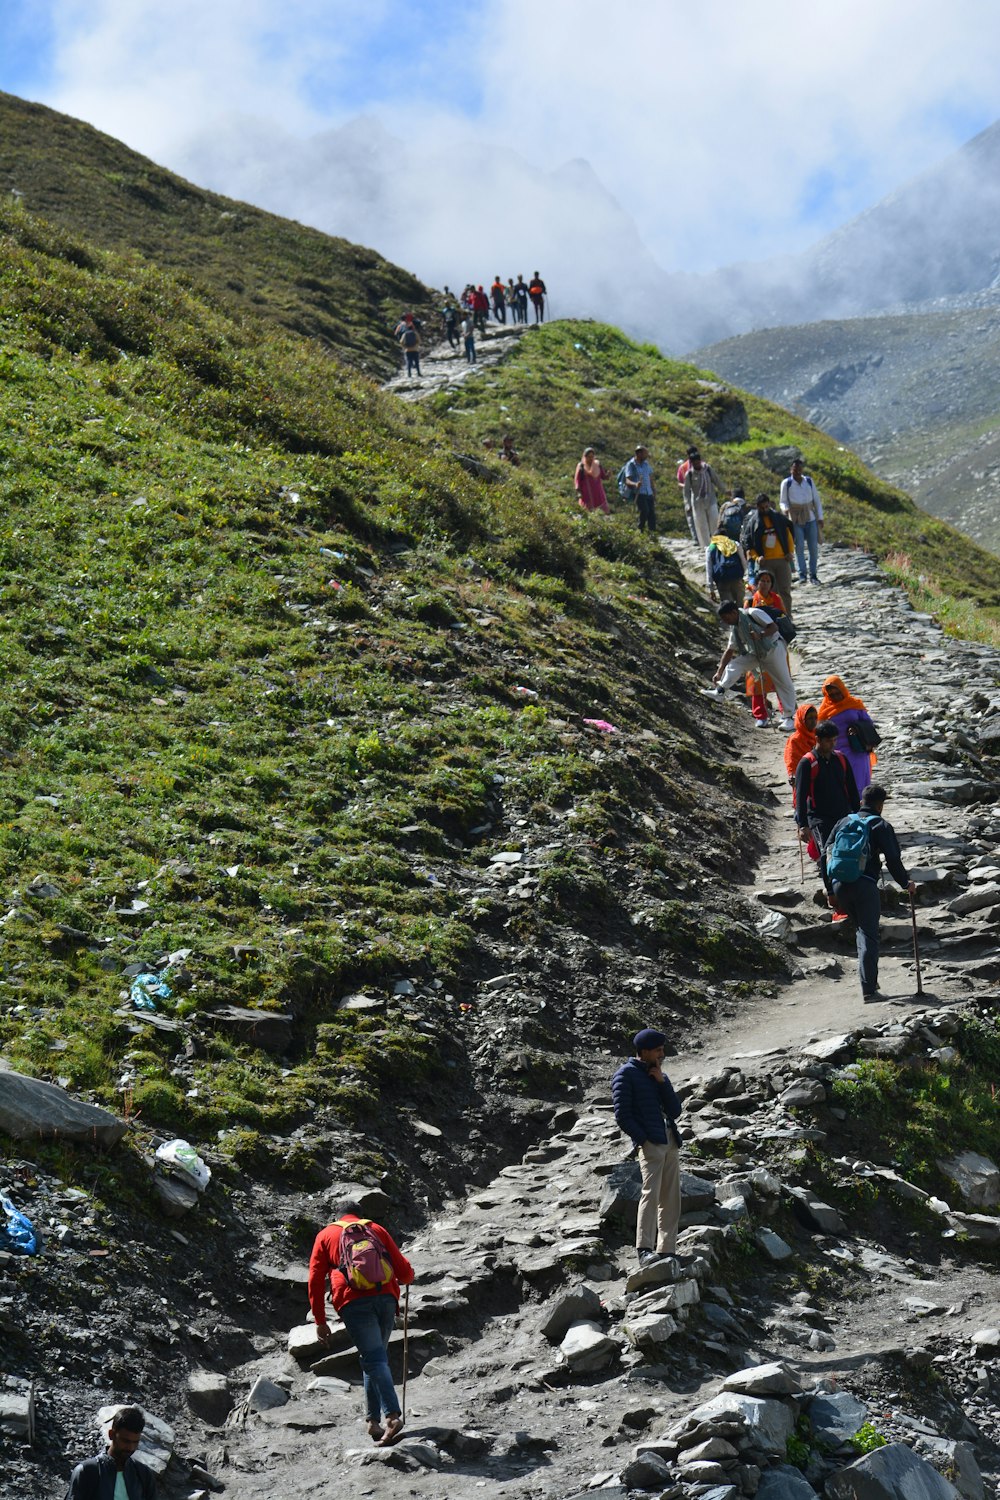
point(848, 854)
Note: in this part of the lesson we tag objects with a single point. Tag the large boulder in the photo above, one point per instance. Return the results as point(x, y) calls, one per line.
point(157, 1446)
point(269, 1030)
point(836, 1416)
point(768, 1421)
point(209, 1396)
point(31, 1110)
point(774, 1379)
point(784, 1483)
point(976, 1177)
point(586, 1347)
point(894, 1472)
point(580, 1304)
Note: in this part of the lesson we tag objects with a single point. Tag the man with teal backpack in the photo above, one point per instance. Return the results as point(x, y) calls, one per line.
point(854, 854)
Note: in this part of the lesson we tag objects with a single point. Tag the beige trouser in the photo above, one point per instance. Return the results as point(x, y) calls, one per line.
point(660, 1203)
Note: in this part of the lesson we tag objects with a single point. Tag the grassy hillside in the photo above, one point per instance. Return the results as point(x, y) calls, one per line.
point(279, 680)
point(343, 295)
point(570, 384)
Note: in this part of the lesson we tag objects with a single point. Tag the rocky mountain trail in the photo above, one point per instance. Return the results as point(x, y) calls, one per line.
point(444, 369)
point(542, 1360)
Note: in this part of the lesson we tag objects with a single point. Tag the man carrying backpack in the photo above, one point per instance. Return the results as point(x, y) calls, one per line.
point(825, 792)
point(365, 1268)
point(409, 338)
point(755, 645)
point(854, 856)
point(725, 567)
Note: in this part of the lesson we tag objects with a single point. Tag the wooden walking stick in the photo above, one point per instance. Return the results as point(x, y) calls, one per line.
point(802, 862)
point(916, 946)
point(406, 1339)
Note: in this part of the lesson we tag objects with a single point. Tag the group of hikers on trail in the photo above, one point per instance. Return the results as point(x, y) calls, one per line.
point(465, 316)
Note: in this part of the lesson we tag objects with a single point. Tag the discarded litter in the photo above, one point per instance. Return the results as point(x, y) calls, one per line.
point(147, 988)
point(602, 725)
point(180, 1158)
point(17, 1235)
point(526, 692)
point(329, 552)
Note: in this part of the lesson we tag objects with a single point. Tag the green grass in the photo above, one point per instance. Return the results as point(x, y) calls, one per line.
point(568, 385)
point(923, 1112)
point(344, 296)
point(264, 656)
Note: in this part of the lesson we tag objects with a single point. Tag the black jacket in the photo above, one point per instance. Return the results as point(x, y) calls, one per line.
point(644, 1109)
point(882, 844)
point(832, 795)
point(752, 535)
point(94, 1479)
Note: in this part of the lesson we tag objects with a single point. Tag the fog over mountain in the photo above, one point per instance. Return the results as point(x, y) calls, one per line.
point(451, 210)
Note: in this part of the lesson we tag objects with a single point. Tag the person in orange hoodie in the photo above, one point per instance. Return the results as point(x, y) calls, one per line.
point(802, 739)
point(365, 1268)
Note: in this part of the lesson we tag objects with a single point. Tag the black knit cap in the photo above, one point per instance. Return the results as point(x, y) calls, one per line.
point(645, 1041)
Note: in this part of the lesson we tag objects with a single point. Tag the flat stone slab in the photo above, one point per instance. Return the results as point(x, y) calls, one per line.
point(894, 1472)
point(271, 1031)
point(33, 1110)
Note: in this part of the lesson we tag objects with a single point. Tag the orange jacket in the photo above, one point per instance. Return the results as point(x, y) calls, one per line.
point(323, 1264)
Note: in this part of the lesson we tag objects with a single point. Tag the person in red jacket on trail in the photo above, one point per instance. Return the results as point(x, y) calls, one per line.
point(365, 1268)
point(480, 308)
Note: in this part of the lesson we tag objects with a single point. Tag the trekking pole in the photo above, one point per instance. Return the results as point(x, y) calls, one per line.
point(916, 947)
point(802, 862)
point(406, 1339)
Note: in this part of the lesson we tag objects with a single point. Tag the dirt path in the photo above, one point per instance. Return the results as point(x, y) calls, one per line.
point(492, 1405)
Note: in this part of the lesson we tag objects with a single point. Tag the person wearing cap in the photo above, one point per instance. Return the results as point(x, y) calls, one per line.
point(646, 1109)
point(825, 792)
point(860, 898)
point(640, 488)
point(754, 646)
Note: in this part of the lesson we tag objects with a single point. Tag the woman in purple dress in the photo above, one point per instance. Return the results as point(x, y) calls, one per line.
point(845, 711)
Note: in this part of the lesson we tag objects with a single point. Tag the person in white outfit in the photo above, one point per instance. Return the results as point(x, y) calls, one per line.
point(754, 646)
point(701, 498)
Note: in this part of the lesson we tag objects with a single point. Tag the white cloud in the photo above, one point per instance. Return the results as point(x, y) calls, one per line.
point(728, 130)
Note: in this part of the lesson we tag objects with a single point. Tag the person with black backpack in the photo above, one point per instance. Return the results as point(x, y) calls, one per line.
point(409, 338)
point(365, 1269)
point(825, 792)
point(856, 847)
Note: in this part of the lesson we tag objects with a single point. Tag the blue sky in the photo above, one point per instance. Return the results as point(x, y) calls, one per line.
point(729, 131)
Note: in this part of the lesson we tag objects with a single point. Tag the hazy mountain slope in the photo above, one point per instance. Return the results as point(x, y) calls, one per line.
point(918, 394)
point(330, 289)
point(455, 210)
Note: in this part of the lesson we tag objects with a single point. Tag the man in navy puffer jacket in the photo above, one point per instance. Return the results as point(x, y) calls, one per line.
point(646, 1108)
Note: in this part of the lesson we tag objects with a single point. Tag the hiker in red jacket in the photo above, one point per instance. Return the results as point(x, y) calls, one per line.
point(365, 1268)
point(480, 308)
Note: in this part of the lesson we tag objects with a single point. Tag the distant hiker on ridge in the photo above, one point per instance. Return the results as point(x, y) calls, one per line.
point(521, 293)
point(854, 863)
point(799, 501)
point(365, 1269)
point(450, 319)
point(480, 309)
point(646, 1109)
point(499, 301)
point(639, 486)
point(510, 297)
point(469, 338)
point(115, 1471)
point(701, 496)
point(536, 291)
point(589, 482)
point(409, 339)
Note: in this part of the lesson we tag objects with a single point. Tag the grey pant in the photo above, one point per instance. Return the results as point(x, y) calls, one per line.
point(660, 1203)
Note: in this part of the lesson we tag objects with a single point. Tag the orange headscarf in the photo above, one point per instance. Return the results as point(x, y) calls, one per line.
point(800, 741)
point(828, 709)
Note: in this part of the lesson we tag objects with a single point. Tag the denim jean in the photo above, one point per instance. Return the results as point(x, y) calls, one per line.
point(369, 1321)
point(412, 362)
point(646, 506)
point(862, 901)
point(806, 535)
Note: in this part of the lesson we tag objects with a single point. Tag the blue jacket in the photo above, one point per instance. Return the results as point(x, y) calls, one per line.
point(644, 1109)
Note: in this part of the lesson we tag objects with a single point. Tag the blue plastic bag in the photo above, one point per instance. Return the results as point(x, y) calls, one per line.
point(18, 1235)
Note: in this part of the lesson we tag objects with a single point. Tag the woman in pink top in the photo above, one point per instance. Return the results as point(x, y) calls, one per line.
point(589, 481)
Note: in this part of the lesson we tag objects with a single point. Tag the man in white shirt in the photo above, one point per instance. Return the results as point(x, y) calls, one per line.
point(754, 646)
point(799, 501)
